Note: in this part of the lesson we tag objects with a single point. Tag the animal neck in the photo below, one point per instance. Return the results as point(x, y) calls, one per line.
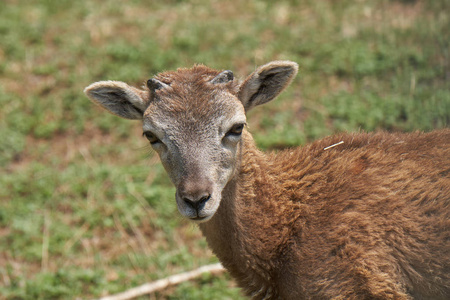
point(240, 233)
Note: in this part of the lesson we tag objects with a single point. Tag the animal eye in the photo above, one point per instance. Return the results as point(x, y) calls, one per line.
point(236, 130)
point(151, 137)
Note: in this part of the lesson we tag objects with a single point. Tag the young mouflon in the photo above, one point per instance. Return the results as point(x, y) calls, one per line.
point(352, 216)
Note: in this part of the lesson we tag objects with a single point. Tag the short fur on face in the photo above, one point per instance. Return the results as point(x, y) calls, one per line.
point(190, 112)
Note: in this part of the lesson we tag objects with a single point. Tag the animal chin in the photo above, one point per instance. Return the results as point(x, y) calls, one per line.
point(203, 215)
point(196, 216)
point(201, 219)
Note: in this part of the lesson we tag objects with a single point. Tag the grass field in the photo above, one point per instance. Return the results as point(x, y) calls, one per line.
point(86, 209)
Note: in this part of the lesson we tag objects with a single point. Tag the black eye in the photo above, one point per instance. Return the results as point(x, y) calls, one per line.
point(236, 130)
point(151, 137)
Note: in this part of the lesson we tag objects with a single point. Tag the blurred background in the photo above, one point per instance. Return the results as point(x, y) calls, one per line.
point(86, 209)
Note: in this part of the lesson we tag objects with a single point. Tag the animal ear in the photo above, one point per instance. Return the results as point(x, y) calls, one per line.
point(267, 82)
point(224, 77)
point(119, 98)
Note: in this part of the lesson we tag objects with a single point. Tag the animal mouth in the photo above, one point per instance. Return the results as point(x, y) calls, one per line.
point(197, 218)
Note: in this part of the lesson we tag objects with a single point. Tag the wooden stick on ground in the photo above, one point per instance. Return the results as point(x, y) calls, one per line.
point(164, 283)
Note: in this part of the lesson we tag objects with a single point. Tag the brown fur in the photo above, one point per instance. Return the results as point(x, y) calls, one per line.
point(184, 83)
point(367, 219)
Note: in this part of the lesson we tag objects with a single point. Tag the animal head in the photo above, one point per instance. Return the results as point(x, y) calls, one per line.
point(194, 119)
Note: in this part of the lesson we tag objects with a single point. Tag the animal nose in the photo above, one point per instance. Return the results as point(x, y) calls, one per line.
point(197, 204)
point(195, 193)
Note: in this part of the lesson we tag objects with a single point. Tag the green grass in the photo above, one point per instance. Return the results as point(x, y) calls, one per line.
point(86, 209)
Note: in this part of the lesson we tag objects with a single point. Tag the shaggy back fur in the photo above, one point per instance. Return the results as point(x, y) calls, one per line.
point(366, 219)
point(353, 216)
